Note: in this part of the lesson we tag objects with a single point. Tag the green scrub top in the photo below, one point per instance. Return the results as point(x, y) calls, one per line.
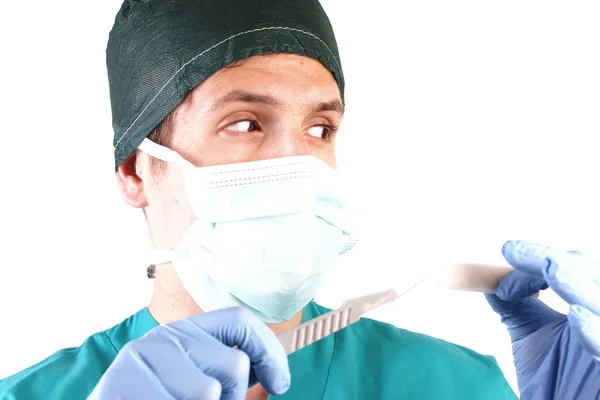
point(367, 360)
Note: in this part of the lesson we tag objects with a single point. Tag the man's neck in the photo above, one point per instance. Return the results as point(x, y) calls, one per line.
point(170, 301)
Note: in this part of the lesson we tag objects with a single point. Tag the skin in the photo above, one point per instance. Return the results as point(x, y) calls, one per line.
point(266, 107)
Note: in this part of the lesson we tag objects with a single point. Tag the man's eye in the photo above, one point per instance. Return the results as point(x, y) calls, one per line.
point(321, 131)
point(246, 125)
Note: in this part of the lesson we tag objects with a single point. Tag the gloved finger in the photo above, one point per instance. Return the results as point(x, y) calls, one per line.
point(527, 257)
point(570, 278)
point(531, 257)
point(518, 285)
point(586, 326)
point(232, 370)
point(229, 366)
point(501, 307)
point(237, 326)
point(523, 317)
point(157, 366)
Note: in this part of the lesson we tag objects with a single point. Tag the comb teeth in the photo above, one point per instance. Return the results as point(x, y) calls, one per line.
point(320, 328)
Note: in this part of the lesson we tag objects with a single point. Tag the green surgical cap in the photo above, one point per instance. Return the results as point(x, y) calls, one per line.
point(158, 50)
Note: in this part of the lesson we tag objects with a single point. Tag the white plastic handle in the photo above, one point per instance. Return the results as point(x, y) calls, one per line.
point(471, 277)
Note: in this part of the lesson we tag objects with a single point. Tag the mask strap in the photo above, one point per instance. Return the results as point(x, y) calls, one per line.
point(159, 256)
point(162, 153)
point(162, 256)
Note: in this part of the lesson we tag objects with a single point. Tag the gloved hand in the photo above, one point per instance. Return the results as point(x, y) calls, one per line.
point(193, 359)
point(556, 356)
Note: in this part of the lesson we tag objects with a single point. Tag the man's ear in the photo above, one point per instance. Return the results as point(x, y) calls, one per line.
point(131, 183)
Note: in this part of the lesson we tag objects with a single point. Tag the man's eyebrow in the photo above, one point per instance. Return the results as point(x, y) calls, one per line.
point(250, 97)
point(333, 105)
point(246, 97)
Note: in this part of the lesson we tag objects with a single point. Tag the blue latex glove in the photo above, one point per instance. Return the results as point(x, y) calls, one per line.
point(193, 358)
point(556, 356)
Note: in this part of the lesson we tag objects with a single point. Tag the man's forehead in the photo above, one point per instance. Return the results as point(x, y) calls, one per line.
point(247, 96)
point(275, 80)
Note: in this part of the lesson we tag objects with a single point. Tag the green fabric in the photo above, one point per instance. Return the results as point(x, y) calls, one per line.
point(159, 50)
point(73, 373)
point(368, 360)
point(375, 360)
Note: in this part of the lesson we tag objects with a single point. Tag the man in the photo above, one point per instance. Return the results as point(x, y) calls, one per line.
point(225, 114)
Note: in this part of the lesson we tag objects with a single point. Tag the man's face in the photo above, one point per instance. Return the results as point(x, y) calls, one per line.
point(266, 107)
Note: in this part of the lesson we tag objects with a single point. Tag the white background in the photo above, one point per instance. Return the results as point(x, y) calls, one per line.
point(468, 123)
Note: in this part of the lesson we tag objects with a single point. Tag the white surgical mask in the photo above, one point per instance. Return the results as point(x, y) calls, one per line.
point(266, 233)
